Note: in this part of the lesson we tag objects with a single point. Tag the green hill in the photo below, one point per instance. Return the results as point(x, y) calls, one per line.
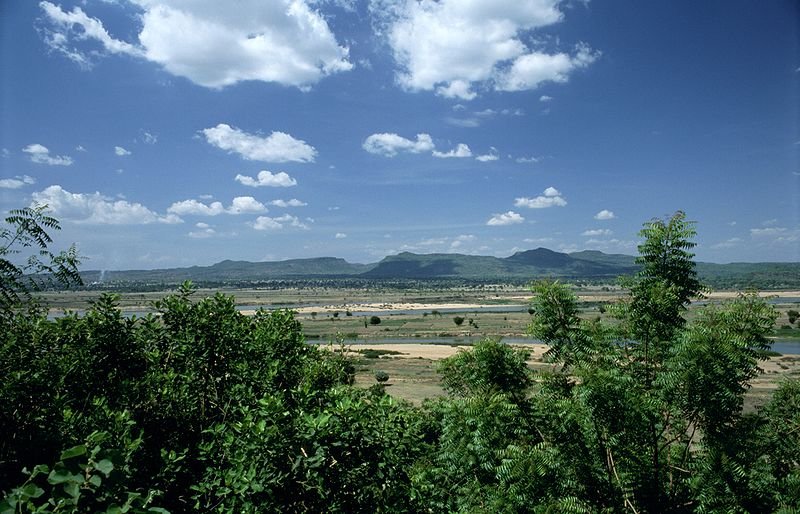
point(524, 265)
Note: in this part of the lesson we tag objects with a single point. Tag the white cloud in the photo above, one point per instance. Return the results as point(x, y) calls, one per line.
point(610, 244)
point(193, 207)
point(148, 138)
point(527, 160)
point(530, 70)
point(16, 182)
point(491, 156)
point(267, 179)
point(545, 98)
point(389, 144)
point(209, 43)
point(293, 221)
point(267, 223)
point(67, 28)
point(340, 235)
point(246, 205)
point(605, 214)
point(768, 232)
point(538, 240)
point(730, 243)
point(95, 208)
point(460, 151)
point(458, 48)
point(294, 202)
point(463, 122)
point(506, 218)
point(41, 155)
point(80, 148)
point(459, 241)
point(6, 153)
point(551, 197)
point(597, 232)
point(239, 205)
point(277, 147)
point(205, 231)
point(121, 152)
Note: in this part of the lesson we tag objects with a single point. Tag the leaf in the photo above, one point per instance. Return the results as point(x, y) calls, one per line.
point(105, 467)
point(75, 451)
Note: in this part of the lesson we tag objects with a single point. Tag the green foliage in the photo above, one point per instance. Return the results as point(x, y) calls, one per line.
point(792, 315)
point(201, 408)
point(488, 367)
point(26, 231)
point(374, 320)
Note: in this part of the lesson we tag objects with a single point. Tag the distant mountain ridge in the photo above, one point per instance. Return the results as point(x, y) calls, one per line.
point(523, 265)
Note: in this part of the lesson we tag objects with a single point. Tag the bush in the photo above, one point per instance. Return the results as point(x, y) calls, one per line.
point(374, 320)
point(381, 376)
point(458, 320)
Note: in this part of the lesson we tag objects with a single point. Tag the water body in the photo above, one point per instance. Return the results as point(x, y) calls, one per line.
point(783, 346)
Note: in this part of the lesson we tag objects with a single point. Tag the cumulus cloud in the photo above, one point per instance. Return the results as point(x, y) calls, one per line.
point(95, 208)
point(545, 98)
point(551, 197)
point(527, 160)
point(506, 218)
point(597, 232)
point(277, 147)
point(246, 205)
point(16, 182)
point(207, 42)
point(194, 207)
point(41, 155)
point(340, 235)
point(530, 70)
point(239, 205)
point(390, 144)
point(267, 179)
point(294, 202)
point(121, 152)
point(605, 214)
point(491, 156)
point(458, 48)
point(267, 223)
point(460, 151)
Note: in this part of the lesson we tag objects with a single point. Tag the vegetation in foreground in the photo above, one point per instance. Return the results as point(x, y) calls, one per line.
point(204, 409)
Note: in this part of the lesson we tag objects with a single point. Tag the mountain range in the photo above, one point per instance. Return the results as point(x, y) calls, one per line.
point(522, 266)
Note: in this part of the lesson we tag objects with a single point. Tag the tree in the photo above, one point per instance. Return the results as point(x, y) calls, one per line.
point(793, 315)
point(374, 320)
point(27, 232)
point(458, 320)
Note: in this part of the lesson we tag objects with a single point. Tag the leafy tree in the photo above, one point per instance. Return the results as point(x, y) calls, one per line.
point(26, 231)
point(488, 367)
point(793, 315)
point(374, 320)
point(458, 320)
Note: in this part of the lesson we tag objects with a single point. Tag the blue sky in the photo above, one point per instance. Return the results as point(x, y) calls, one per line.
point(173, 132)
